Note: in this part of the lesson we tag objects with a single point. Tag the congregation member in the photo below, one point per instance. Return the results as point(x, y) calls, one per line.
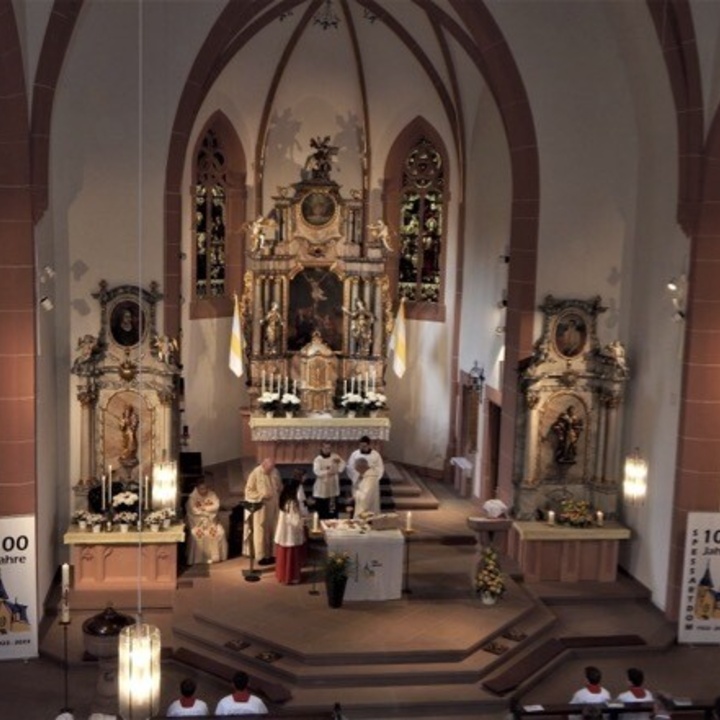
point(187, 705)
point(263, 486)
point(636, 693)
point(592, 693)
point(366, 492)
point(290, 547)
point(327, 467)
point(240, 701)
point(368, 453)
point(207, 542)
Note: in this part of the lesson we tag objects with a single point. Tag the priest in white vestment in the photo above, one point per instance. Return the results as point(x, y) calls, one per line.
point(263, 487)
point(206, 537)
point(372, 456)
point(366, 493)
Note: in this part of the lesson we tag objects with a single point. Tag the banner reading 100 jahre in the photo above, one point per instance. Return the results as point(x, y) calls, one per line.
point(699, 616)
point(18, 588)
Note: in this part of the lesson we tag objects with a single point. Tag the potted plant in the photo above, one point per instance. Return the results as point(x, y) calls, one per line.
point(489, 582)
point(80, 517)
point(375, 401)
point(290, 403)
point(125, 519)
point(154, 520)
point(95, 521)
point(269, 402)
point(337, 571)
point(168, 515)
point(351, 402)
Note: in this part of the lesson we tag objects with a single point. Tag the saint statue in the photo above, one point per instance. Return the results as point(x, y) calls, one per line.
point(567, 429)
point(361, 327)
point(129, 423)
point(273, 323)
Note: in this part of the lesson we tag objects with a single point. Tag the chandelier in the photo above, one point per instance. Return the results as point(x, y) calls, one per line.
point(635, 477)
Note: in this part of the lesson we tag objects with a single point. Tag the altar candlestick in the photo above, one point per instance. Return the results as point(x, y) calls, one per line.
point(344, 387)
point(316, 522)
point(408, 521)
point(64, 612)
point(295, 386)
point(551, 517)
point(367, 382)
point(65, 579)
point(147, 492)
point(262, 382)
point(352, 384)
point(287, 384)
point(600, 518)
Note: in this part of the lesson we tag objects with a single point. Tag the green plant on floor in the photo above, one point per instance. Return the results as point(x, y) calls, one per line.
point(489, 577)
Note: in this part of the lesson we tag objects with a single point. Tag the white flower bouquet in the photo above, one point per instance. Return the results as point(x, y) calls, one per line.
point(125, 498)
point(290, 401)
point(154, 518)
point(375, 400)
point(269, 401)
point(351, 401)
point(80, 516)
point(125, 518)
point(95, 519)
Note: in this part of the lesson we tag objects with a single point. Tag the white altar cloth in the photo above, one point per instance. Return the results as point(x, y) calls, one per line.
point(377, 562)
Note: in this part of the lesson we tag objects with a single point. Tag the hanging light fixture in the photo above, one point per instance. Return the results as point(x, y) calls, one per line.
point(635, 477)
point(164, 485)
point(139, 645)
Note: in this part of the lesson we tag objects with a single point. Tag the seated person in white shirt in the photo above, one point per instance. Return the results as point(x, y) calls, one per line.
point(593, 693)
point(240, 701)
point(206, 537)
point(636, 693)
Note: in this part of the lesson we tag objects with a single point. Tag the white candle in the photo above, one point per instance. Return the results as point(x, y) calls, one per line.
point(262, 381)
point(551, 517)
point(316, 522)
point(147, 493)
point(352, 384)
point(367, 381)
point(408, 521)
point(64, 613)
point(287, 384)
point(65, 579)
point(295, 387)
point(600, 518)
point(344, 387)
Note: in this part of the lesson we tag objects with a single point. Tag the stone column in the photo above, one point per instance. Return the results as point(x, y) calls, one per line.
point(88, 396)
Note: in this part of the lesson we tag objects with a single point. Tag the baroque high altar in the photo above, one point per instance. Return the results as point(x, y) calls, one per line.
point(316, 305)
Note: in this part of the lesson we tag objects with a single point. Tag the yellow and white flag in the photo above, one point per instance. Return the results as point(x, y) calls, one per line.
point(236, 342)
point(398, 342)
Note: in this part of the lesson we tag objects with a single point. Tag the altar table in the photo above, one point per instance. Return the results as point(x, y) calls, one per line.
point(106, 567)
point(567, 554)
point(298, 439)
point(377, 562)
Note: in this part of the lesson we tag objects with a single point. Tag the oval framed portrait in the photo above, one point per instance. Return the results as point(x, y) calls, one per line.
point(570, 336)
point(127, 323)
point(318, 208)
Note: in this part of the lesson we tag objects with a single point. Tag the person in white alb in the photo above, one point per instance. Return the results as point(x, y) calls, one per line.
point(263, 487)
point(366, 495)
point(187, 705)
point(327, 467)
point(372, 456)
point(593, 693)
point(240, 701)
point(636, 693)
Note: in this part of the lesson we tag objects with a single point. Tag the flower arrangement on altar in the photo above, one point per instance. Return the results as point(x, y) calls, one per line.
point(125, 499)
point(168, 514)
point(125, 518)
point(80, 516)
point(488, 576)
point(154, 518)
point(576, 513)
point(269, 401)
point(375, 400)
point(337, 566)
point(352, 402)
point(94, 519)
point(290, 402)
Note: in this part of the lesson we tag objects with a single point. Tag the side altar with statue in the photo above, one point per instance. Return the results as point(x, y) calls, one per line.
point(317, 312)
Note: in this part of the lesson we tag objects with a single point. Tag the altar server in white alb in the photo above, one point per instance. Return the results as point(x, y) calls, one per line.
point(207, 541)
point(370, 455)
point(366, 494)
point(327, 467)
point(187, 705)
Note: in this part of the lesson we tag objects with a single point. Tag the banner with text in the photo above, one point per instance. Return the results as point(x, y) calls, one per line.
point(699, 616)
point(18, 588)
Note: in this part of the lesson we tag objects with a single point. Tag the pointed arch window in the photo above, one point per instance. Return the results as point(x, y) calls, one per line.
point(218, 214)
point(416, 209)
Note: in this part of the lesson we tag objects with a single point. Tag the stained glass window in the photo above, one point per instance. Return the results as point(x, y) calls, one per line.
point(210, 219)
point(421, 224)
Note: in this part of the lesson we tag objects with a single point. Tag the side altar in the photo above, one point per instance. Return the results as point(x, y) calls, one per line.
point(298, 439)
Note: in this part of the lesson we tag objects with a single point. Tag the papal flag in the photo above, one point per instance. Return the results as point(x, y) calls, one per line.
point(236, 342)
point(398, 342)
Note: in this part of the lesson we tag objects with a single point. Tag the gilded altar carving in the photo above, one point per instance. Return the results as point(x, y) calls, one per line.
point(570, 430)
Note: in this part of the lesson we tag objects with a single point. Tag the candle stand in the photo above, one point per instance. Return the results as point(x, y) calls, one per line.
point(406, 575)
point(314, 535)
point(64, 624)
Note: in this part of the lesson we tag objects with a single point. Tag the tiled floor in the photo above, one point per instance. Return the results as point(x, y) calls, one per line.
point(439, 616)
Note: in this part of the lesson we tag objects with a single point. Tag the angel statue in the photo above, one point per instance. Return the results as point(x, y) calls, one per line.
point(380, 232)
point(87, 351)
point(166, 349)
point(319, 163)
